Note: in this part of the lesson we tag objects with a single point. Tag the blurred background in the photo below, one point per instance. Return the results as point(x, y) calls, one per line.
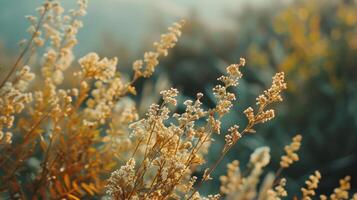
point(313, 41)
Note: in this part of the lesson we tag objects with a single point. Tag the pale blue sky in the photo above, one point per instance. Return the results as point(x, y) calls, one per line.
point(129, 21)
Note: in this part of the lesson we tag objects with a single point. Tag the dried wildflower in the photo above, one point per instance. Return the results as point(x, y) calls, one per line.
point(59, 57)
point(230, 182)
point(169, 96)
point(192, 112)
point(342, 191)
point(280, 188)
point(311, 186)
point(278, 192)
point(23, 78)
point(121, 181)
point(223, 97)
point(258, 159)
point(264, 116)
point(189, 186)
point(138, 65)
point(5, 138)
point(213, 197)
point(93, 67)
point(234, 135)
point(273, 94)
point(13, 100)
point(290, 150)
point(145, 68)
point(249, 113)
point(215, 124)
point(169, 40)
point(234, 74)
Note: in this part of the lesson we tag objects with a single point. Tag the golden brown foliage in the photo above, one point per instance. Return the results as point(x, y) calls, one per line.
point(61, 142)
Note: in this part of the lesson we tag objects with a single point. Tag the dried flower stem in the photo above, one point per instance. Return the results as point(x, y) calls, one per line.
point(139, 171)
point(215, 164)
point(23, 52)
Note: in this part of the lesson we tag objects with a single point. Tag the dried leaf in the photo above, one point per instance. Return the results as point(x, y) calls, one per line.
point(67, 181)
point(87, 189)
point(71, 196)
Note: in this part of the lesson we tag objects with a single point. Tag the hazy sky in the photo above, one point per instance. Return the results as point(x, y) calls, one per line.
point(129, 21)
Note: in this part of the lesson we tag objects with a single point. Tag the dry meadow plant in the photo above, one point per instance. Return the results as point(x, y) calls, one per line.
point(63, 142)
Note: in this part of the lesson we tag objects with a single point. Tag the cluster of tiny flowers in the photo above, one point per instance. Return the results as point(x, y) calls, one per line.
point(340, 193)
point(13, 97)
point(100, 69)
point(23, 78)
point(234, 135)
point(234, 74)
point(225, 98)
point(262, 117)
point(311, 186)
point(169, 96)
point(192, 112)
point(273, 94)
point(230, 182)
point(5, 138)
point(33, 30)
point(61, 30)
point(237, 186)
point(100, 105)
point(37, 39)
point(258, 160)
point(121, 181)
point(146, 67)
point(117, 139)
point(197, 196)
point(278, 192)
point(290, 150)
